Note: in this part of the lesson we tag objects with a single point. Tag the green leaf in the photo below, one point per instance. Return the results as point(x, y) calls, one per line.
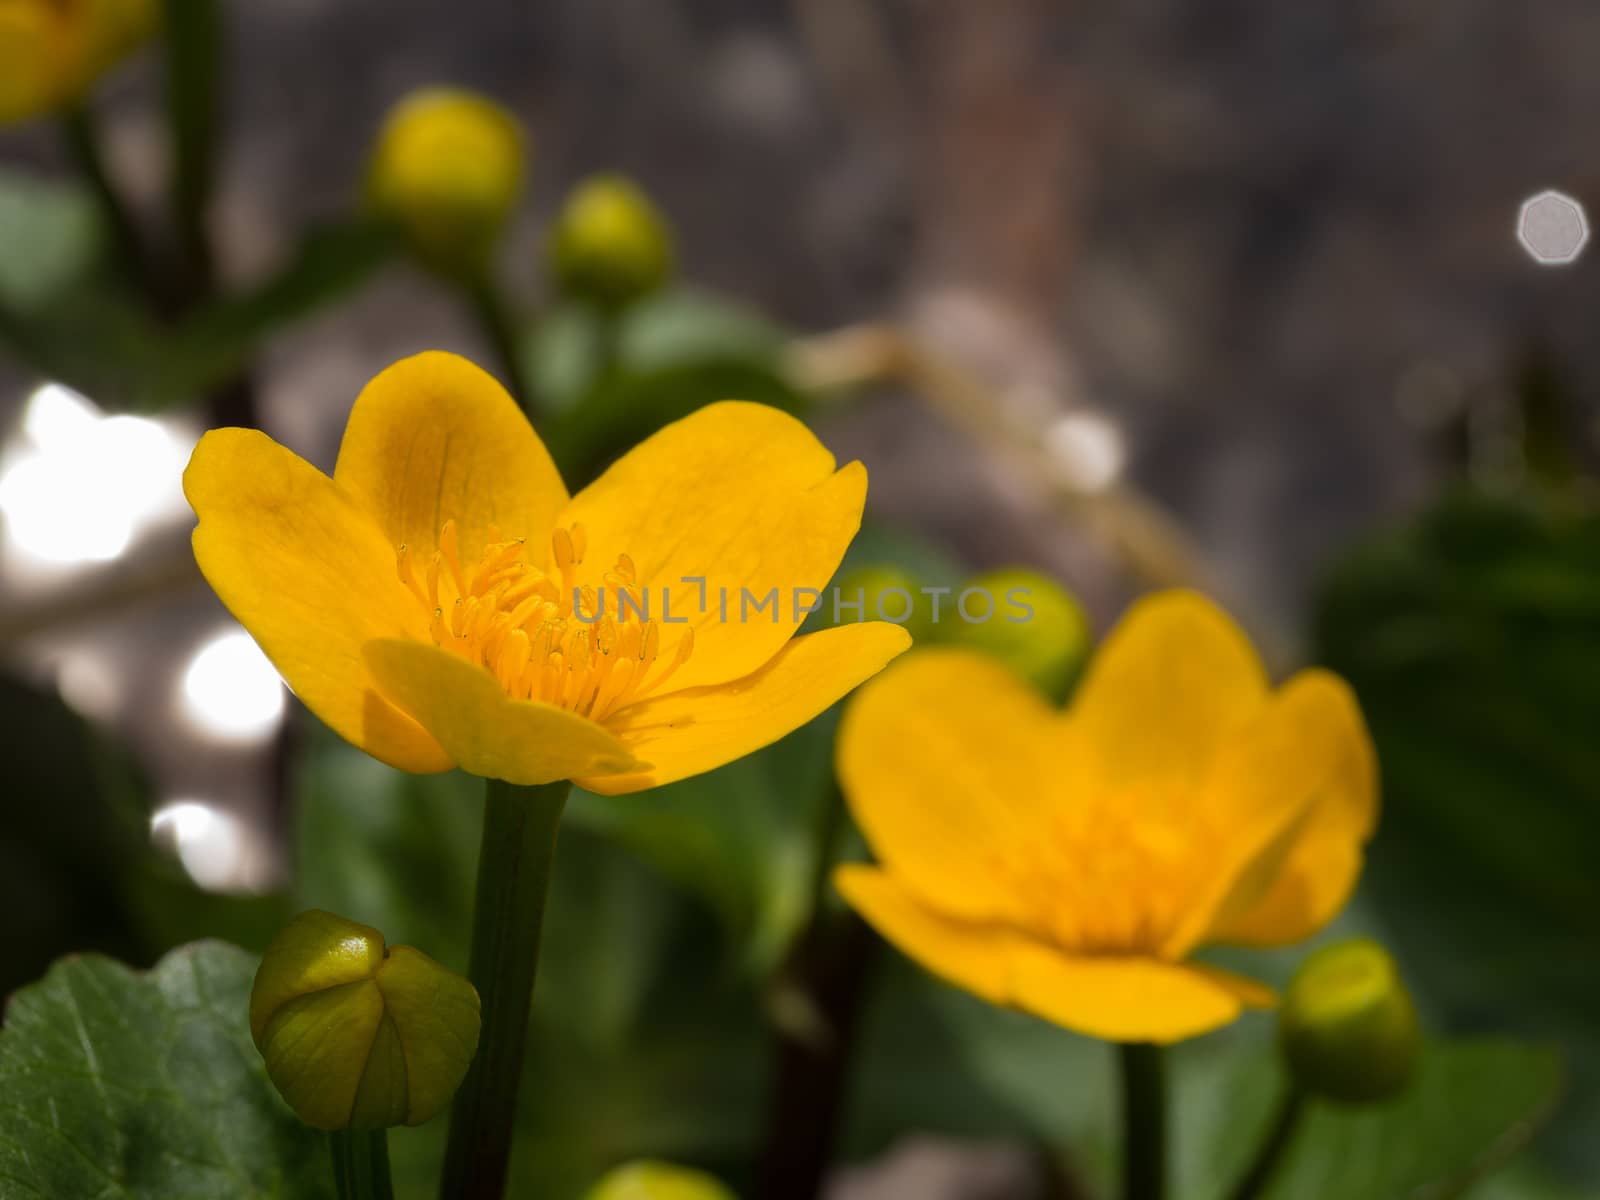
point(391, 850)
point(566, 350)
point(1525, 1181)
point(77, 870)
point(628, 405)
point(68, 322)
point(62, 315)
point(685, 325)
point(742, 837)
point(936, 1059)
point(68, 836)
point(1473, 642)
point(94, 337)
point(115, 1083)
point(607, 382)
point(330, 261)
point(1476, 1103)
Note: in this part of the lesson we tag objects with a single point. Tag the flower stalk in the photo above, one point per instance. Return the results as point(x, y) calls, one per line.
point(830, 966)
point(194, 69)
point(1269, 1155)
point(1144, 1121)
point(361, 1164)
point(520, 825)
point(83, 141)
point(500, 330)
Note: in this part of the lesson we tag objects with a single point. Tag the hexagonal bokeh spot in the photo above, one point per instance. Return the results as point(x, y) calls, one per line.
point(1552, 228)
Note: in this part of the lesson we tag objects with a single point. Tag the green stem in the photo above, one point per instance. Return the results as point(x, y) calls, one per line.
point(361, 1164)
point(83, 140)
point(830, 965)
point(1269, 1155)
point(514, 865)
point(500, 329)
point(1144, 1122)
point(607, 341)
point(826, 834)
point(194, 63)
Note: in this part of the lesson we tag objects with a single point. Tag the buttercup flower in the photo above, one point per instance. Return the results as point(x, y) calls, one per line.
point(421, 601)
point(1070, 863)
point(52, 51)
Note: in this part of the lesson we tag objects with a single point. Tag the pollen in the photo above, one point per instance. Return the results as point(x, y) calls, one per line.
point(559, 635)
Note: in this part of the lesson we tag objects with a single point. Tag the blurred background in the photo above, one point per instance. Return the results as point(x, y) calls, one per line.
point(1157, 293)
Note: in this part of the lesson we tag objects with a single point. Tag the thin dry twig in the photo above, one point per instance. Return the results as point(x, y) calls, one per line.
point(1148, 538)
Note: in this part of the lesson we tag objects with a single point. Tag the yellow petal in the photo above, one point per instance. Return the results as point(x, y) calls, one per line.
point(948, 761)
point(971, 956)
point(1119, 999)
point(1312, 744)
point(312, 579)
point(1230, 874)
point(1131, 999)
point(484, 730)
point(687, 732)
point(435, 438)
point(742, 496)
point(1173, 682)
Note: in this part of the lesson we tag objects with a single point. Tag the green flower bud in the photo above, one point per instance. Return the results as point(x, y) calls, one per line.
point(356, 1035)
point(1347, 1026)
point(447, 171)
point(611, 244)
point(884, 593)
point(1025, 619)
point(658, 1181)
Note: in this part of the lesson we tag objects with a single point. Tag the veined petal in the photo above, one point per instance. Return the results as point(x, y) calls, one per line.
point(1312, 744)
point(686, 732)
point(488, 733)
point(435, 438)
point(1119, 999)
point(1172, 683)
point(949, 762)
point(312, 579)
point(738, 495)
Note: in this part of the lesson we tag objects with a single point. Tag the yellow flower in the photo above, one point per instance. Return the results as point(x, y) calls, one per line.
point(421, 600)
point(52, 51)
point(1069, 863)
point(447, 169)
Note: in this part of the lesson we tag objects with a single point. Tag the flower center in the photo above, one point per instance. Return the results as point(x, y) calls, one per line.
point(544, 636)
point(1113, 881)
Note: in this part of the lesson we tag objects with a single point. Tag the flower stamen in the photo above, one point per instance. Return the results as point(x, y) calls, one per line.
point(544, 635)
